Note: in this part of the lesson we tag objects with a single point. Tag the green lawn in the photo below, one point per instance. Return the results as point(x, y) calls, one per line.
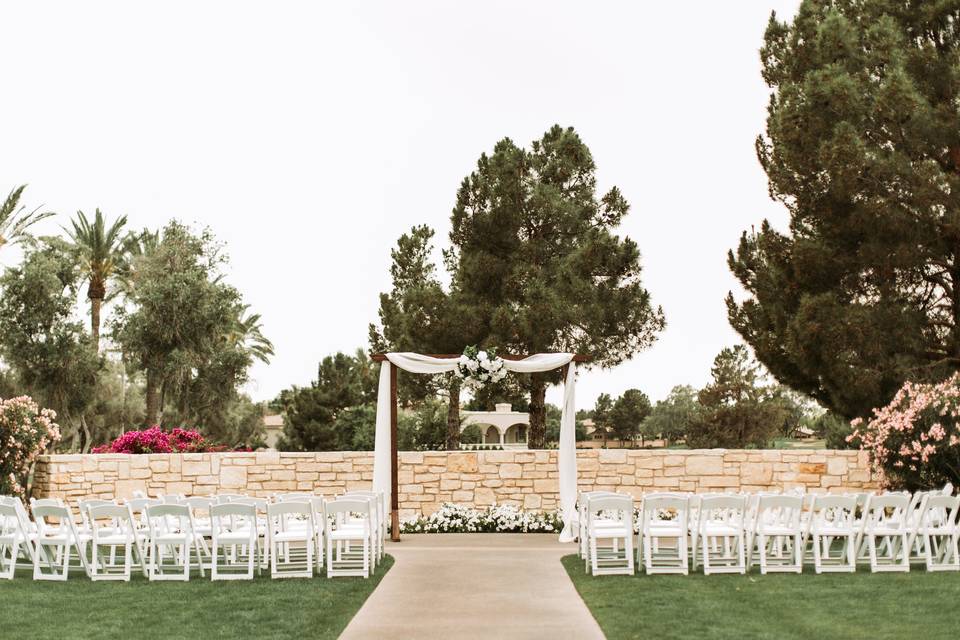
point(861, 605)
point(263, 608)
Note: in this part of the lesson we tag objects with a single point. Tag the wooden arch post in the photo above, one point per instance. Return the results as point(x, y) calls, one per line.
point(394, 458)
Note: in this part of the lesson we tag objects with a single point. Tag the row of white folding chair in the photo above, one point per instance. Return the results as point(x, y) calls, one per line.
point(774, 531)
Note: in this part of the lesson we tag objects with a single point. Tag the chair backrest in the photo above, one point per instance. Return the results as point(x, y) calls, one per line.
point(166, 509)
point(116, 518)
point(834, 510)
point(46, 502)
point(662, 508)
point(347, 505)
point(611, 507)
point(941, 511)
point(44, 513)
point(172, 499)
point(85, 505)
point(233, 509)
point(292, 497)
point(198, 503)
point(889, 509)
point(9, 518)
point(260, 504)
point(722, 509)
point(779, 511)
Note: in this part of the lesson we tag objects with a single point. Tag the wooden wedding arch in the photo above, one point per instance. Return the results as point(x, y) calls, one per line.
point(394, 459)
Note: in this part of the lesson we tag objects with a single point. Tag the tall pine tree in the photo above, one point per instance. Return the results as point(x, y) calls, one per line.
point(535, 252)
point(863, 148)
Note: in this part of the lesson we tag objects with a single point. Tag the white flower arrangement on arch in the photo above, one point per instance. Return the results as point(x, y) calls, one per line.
point(478, 368)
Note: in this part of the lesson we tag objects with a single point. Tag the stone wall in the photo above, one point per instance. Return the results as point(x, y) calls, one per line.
point(426, 479)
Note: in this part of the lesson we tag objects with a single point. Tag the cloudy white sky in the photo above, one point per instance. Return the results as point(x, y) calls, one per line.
point(310, 135)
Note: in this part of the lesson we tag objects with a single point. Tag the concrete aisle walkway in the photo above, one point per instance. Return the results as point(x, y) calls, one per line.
point(498, 585)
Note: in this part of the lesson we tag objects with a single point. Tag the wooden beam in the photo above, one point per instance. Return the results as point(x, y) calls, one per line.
point(380, 357)
point(394, 497)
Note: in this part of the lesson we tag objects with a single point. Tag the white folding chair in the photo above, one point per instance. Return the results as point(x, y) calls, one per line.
point(720, 533)
point(610, 521)
point(340, 530)
point(15, 533)
point(290, 526)
point(833, 519)
point(171, 529)
point(777, 534)
point(111, 527)
point(885, 532)
point(260, 505)
point(664, 519)
point(57, 537)
point(375, 515)
point(583, 548)
point(234, 536)
point(939, 532)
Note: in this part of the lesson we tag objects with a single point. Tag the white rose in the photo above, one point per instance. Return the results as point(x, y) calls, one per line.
point(482, 356)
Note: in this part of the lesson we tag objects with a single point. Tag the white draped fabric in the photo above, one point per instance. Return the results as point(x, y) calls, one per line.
point(567, 454)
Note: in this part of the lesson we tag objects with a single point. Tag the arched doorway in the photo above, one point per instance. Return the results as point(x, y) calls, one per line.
point(491, 435)
point(515, 434)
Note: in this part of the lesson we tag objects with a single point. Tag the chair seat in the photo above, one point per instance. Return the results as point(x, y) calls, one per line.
point(775, 530)
point(347, 534)
point(292, 536)
point(173, 538)
point(717, 529)
point(666, 530)
point(233, 537)
point(62, 538)
point(828, 530)
point(115, 538)
point(886, 531)
point(611, 532)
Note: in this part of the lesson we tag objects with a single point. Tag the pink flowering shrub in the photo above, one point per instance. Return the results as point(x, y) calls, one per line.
point(915, 440)
point(26, 431)
point(156, 440)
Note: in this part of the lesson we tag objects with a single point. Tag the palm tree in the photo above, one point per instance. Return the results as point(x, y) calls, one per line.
point(14, 219)
point(103, 252)
point(247, 334)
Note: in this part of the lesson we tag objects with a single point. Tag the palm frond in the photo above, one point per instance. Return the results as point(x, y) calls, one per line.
point(15, 219)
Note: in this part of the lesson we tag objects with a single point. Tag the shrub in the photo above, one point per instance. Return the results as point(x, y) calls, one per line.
point(156, 440)
point(26, 431)
point(915, 440)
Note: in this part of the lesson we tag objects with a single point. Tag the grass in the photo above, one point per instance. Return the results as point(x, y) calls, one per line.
point(860, 605)
point(262, 608)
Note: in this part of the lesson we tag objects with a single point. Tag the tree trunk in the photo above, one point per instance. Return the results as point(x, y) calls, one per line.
point(453, 415)
point(538, 412)
point(95, 304)
point(152, 394)
point(87, 438)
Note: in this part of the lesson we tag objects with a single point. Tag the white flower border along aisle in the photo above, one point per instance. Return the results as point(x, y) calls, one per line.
point(478, 368)
point(458, 518)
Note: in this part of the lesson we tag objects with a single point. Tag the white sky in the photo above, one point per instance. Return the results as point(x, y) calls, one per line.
point(309, 136)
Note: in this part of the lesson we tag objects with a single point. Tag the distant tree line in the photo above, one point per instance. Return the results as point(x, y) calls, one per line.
point(175, 349)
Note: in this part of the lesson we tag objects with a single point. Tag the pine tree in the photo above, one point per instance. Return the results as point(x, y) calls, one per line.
point(863, 148)
point(535, 251)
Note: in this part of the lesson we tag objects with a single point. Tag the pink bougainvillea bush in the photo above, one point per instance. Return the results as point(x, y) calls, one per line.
point(156, 440)
point(915, 440)
point(26, 431)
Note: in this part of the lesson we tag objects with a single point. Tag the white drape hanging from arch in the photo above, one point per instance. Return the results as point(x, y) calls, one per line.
point(567, 452)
